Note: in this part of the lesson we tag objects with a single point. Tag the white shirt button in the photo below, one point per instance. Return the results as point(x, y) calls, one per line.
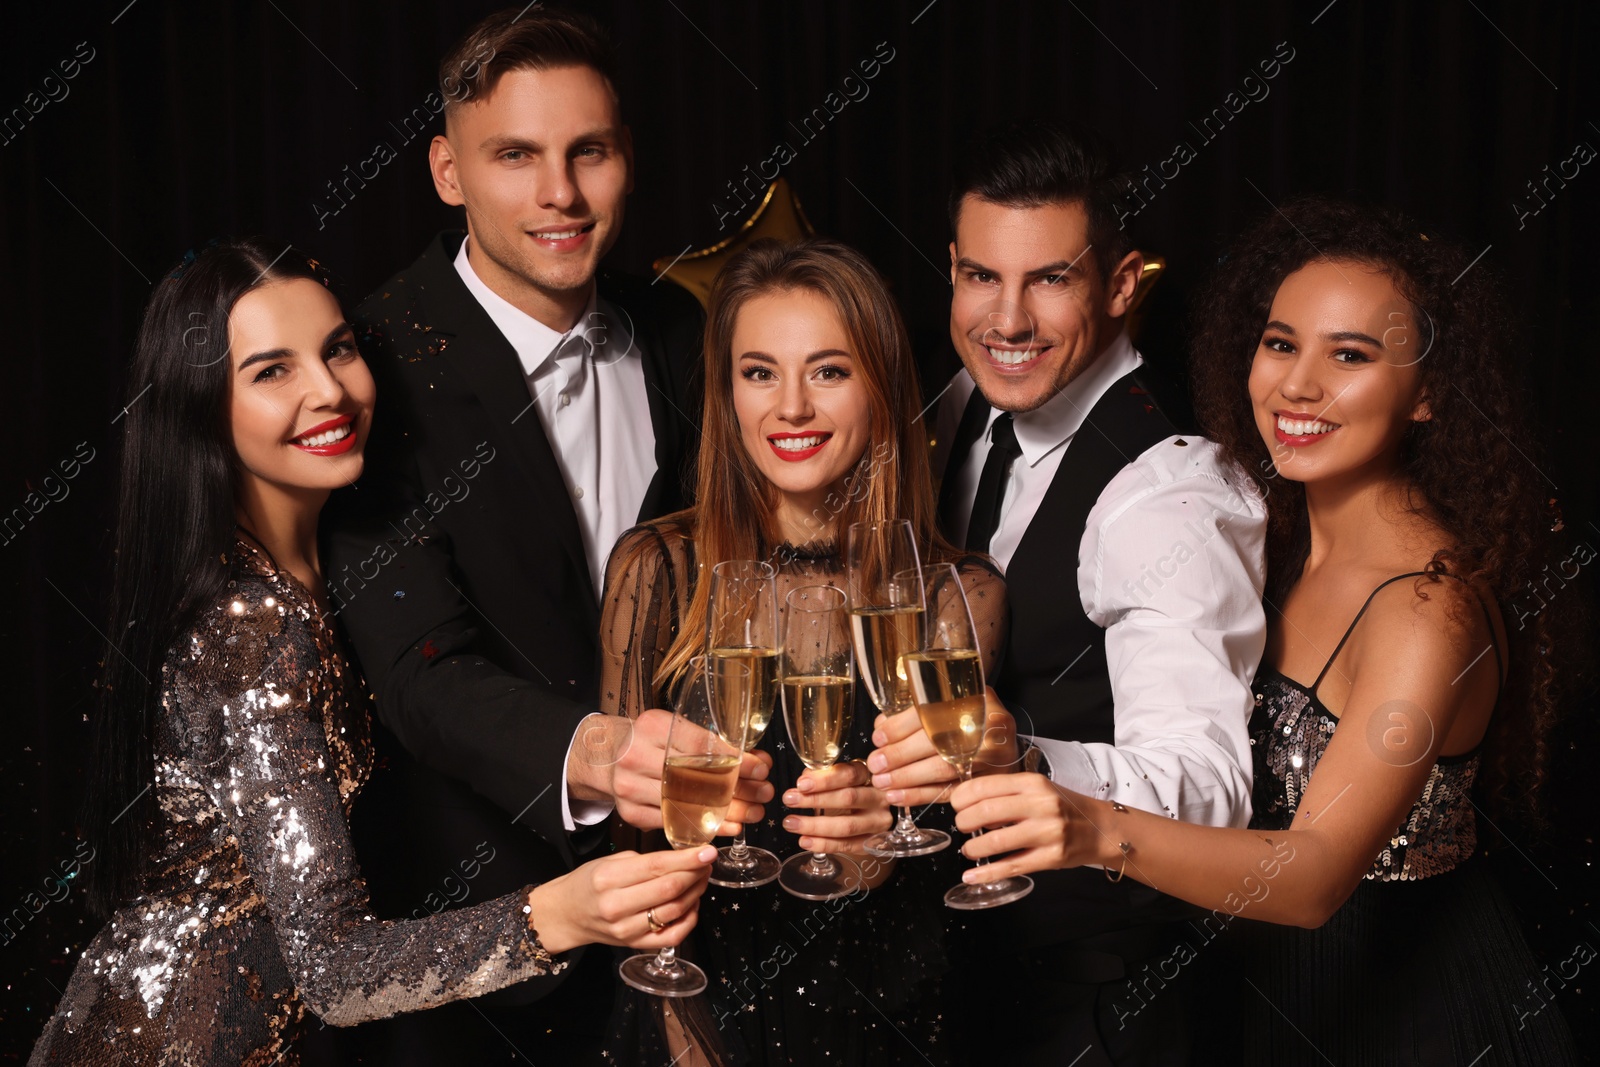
point(578, 492)
point(565, 399)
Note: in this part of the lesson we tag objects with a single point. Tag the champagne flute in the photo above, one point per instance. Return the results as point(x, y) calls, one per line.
point(947, 689)
point(697, 786)
point(885, 589)
point(742, 629)
point(818, 690)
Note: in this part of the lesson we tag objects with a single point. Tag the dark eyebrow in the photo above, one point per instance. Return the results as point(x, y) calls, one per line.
point(501, 141)
point(1060, 266)
point(288, 353)
point(506, 140)
point(1338, 335)
point(826, 353)
point(1355, 335)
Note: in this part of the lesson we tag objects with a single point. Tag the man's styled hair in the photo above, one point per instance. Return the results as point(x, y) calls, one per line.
point(534, 38)
point(1038, 163)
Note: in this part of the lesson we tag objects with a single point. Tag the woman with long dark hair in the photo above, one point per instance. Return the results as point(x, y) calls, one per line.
point(1359, 370)
point(812, 423)
point(232, 734)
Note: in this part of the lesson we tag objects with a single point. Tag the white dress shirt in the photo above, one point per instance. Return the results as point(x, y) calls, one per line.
point(1172, 565)
point(1043, 434)
point(588, 387)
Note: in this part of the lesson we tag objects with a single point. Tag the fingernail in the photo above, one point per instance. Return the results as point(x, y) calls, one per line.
point(881, 781)
point(878, 762)
point(805, 842)
point(970, 877)
point(805, 784)
point(792, 798)
point(893, 796)
point(880, 738)
point(706, 855)
point(791, 823)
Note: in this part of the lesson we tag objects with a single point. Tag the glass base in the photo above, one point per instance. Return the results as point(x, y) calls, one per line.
point(898, 845)
point(988, 894)
point(756, 867)
point(680, 979)
point(839, 876)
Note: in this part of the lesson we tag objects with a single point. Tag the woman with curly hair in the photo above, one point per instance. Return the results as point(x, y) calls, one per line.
point(1358, 369)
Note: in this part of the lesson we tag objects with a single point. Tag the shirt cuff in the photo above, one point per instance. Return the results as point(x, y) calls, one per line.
point(1066, 763)
point(584, 812)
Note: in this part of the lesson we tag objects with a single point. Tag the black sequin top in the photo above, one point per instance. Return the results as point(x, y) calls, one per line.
point(254, 910)
point(1290, 730)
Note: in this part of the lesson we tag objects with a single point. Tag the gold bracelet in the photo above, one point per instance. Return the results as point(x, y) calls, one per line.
point(1123, 846)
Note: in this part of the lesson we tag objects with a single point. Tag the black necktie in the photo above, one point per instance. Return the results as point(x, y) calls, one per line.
point(1003, 450)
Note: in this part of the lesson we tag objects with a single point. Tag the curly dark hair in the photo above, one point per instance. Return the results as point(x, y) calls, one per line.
point(1464, 466)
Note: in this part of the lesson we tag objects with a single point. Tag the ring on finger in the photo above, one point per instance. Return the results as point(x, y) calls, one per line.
point(655, 926)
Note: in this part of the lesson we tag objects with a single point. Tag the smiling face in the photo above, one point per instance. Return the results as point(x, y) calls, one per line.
point(543, 165)
point(804, 412)
point(1336, 379)
point(1031, 309)
point(300, 395)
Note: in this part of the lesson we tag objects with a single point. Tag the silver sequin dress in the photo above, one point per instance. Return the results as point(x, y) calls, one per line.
point(1425, 963)
point(254, 911)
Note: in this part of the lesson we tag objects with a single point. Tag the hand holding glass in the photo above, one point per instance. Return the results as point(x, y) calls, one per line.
point(742, 629)
point(946, 675)
point(818, 697)
point(886, 602)
point(702, 769)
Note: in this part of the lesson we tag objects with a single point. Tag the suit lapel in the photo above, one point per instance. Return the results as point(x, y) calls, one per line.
point(488, 363)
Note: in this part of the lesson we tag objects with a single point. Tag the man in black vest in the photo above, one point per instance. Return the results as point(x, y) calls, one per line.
point(530, 409)
point(1134, 567)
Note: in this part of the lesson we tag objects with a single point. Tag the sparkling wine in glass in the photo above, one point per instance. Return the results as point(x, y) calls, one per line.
point(818, 695)
point(742, 662)
point(946, 675)
point(702, 769)
point(886, 602)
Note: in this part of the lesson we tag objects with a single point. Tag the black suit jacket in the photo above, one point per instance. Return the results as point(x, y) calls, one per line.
point(458, 571)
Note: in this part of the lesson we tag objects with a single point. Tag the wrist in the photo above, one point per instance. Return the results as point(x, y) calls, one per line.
point(591, 760)
point(1103, 838)
point(548, 916)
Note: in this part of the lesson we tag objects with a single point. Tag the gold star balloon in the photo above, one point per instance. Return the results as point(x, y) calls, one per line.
point(779, 216)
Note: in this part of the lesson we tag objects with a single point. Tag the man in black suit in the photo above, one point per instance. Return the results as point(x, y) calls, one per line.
point(530, 409)
point(1133, 562)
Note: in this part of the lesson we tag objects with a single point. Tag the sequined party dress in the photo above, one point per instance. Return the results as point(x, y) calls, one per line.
point(254, 911)
point(856, 980)
point(1425, 963)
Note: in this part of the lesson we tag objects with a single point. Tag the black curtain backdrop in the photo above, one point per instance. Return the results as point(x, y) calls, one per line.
point(184, 121)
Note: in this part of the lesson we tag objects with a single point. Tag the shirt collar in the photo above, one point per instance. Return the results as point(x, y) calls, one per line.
point(536, 344)
point(1049, 426)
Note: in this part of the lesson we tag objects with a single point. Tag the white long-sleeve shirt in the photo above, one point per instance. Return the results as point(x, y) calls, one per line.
point(1172, 565)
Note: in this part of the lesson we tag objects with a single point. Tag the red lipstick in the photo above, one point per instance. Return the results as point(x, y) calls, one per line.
point(337, 448)
point(801, 454)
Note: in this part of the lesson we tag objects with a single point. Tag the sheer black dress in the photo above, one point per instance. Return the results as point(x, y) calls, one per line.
point(853, 980)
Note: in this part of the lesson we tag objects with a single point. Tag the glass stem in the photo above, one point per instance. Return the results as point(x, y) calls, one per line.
point(738, 850)
point(905, 829)
point(666, 960)
point(981, 861)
